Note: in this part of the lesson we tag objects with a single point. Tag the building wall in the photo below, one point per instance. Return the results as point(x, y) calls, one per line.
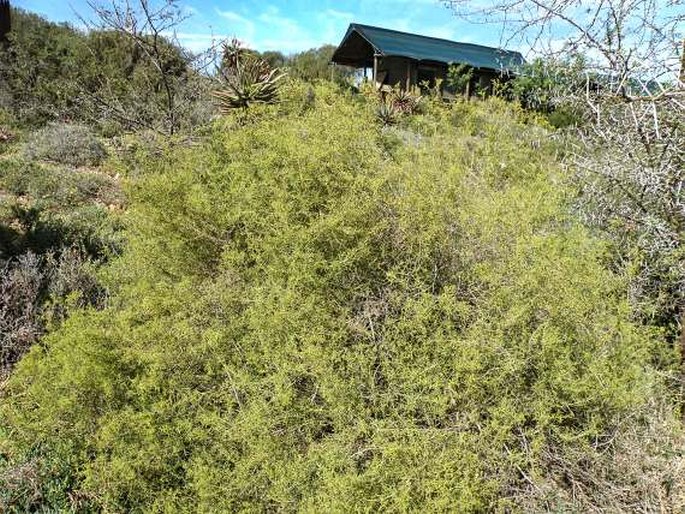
point(396, 70)
point(393, 71)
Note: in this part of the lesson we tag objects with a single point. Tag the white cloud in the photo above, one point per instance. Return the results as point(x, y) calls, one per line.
point(340, 15)
point(275, 21)
point(278, 32)
point(287, 45)
point(196, 42)
point(239, 25)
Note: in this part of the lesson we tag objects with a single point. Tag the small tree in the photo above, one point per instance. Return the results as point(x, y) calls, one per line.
point(459, 77)
point(147, 28)
point(5, 20)
point(315, 64)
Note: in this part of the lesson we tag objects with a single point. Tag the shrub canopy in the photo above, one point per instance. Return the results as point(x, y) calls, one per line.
point(317, 314)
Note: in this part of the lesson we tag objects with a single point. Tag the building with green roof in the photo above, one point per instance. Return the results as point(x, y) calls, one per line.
point(407, 60)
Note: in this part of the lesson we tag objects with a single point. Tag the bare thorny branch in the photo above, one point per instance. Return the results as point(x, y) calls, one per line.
point(151, 27)
point(622, 38)
point(144, 26)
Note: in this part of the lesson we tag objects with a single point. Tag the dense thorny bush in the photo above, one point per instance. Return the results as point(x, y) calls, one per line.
point(21, 285)
point(37, 289)
point(65, 143)
point(309, 319)
point(629, 163)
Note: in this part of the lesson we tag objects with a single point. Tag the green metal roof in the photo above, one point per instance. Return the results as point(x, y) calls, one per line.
point(392, 43)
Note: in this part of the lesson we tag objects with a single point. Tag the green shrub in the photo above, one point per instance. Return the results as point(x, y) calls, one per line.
point(565, 116)
point(75, 145)
point(458, 78)
point(300, 323)
point(38, 69)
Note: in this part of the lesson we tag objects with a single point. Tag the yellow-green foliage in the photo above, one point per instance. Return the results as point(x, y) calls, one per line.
point(316, 314)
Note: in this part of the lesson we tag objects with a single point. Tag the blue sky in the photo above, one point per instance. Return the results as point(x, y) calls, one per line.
point(292, 26)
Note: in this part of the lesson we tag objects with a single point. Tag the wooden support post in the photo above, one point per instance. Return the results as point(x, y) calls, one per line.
point(375, 71)
point(408, 84)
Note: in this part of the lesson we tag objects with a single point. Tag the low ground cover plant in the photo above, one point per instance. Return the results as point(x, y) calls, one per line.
point(65, 143)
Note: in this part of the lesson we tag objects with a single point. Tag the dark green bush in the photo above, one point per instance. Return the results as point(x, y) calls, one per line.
point(51, 72)
point(315, 65)
point(38, 69)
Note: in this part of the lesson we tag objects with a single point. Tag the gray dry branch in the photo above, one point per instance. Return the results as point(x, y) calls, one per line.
point(630, 163)
point(150, 27)
point(145, 25)
point(624, 39)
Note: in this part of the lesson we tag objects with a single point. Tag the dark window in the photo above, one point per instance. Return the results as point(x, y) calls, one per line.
point(426, 78)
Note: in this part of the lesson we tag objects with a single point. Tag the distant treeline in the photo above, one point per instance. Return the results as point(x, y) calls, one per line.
point(52, 71)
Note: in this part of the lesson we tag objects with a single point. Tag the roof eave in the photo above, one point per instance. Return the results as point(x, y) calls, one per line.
point(354, 28)
point(376, 49)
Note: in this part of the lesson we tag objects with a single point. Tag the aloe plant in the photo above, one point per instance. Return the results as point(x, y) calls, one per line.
point(387, 113)
point(247, 79)
point(405, 102)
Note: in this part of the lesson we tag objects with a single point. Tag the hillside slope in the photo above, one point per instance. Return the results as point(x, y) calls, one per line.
point(317, 314)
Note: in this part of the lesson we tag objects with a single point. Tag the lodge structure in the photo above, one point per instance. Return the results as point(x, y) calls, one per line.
point(409, 60)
